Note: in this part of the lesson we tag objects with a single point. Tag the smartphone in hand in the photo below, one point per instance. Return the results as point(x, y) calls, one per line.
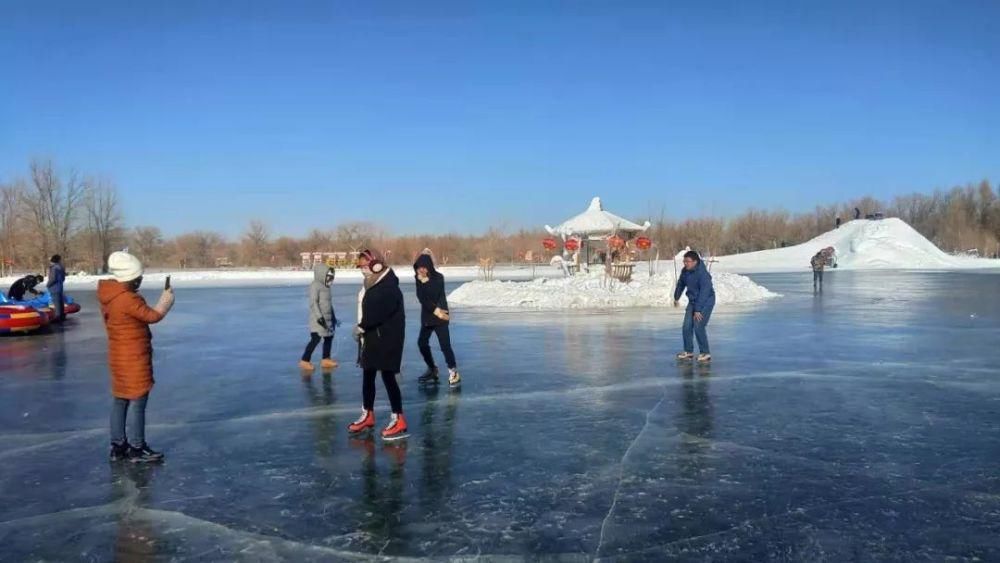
point(166, 287)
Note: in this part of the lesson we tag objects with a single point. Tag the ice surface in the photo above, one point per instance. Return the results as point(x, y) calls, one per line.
point(857, 425)
point(861, 245)
point(596, 291)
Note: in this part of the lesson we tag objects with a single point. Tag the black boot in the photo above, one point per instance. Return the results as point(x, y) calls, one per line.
point(144, 454)
point(119, 452)
point(429, 376)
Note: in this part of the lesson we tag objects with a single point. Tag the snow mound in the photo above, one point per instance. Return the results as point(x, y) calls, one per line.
point(860, 245)
point(593, 292)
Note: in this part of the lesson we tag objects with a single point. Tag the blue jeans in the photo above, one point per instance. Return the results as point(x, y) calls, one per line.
point(119, 409)
point(57, 303)
point(693, 329)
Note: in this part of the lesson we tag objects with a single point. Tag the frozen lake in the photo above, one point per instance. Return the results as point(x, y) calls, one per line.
point(860, 425)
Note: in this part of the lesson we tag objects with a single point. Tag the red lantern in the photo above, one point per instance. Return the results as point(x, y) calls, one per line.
point(572, 244)
point(549, 244)
point(616, 242)
point(643, 243)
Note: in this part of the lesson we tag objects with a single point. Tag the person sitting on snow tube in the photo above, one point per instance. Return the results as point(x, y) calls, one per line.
point(24, 285)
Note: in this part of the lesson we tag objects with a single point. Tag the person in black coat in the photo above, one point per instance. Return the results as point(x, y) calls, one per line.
point(380, 333)
point(434, 319)
point(24, 285)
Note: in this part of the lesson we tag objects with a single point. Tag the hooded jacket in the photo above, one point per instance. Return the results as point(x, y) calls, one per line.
point(383, 320)
point(320, 303)
point(430, 293)
point(130, 343)
point(700, 291)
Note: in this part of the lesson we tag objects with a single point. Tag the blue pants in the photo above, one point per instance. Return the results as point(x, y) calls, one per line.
point(119, 408)
point(693, 329)
point(57, 304)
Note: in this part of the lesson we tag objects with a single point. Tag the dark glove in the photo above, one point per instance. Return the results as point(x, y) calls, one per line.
point(322, 322)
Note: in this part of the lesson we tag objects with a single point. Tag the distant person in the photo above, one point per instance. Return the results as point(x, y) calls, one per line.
point(857, 213)
point(130, 353)
point(322, 319)
point(57, 276)
point(701, 301)
point(434, 319)
point(24, 285)
point(818, 263)
point(838, 221)
point(380, 333)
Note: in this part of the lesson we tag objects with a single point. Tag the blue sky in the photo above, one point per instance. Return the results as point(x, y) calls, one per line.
point(451, 116)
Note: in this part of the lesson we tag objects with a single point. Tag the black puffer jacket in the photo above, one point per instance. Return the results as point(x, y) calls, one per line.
point(430, 293)
point(384, 322)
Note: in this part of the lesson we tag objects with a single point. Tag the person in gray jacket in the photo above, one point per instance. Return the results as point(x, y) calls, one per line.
point(322, 320)
point(57, 275)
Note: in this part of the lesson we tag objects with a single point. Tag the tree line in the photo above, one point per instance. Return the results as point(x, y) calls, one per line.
point(80, 217)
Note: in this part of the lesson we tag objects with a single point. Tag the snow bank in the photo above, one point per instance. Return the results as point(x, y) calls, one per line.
point(861, 245)
point(592, 292)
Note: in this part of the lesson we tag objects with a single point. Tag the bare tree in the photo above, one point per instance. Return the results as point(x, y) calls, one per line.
point(147, 243)
point(10, 196)
point(356, 235)
point(104, 221)
point(199, 249)
point(256, 243)
point(53, 207)
point(318, 241)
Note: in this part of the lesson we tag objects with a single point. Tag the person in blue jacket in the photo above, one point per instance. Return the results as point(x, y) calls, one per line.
point(701, 302)
point(57, 276)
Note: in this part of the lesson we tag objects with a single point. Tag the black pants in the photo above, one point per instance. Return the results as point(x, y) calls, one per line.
point(391, 387)
point(444, 338)
point(817, 278)
point(313, 341)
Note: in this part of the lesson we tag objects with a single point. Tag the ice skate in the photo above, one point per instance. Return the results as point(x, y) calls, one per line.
point(685, 356)
point(397, 428)
point(119, 452)
point(144, 454)
point(454, 378)
point(429, 376)
point(363, 424)
point(704, 358)
point(306, 367)
point(328, 364)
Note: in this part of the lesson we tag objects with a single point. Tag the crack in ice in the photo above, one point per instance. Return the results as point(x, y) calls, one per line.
point(621, 477)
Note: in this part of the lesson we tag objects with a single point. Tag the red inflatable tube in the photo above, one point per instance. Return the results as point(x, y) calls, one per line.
point(18, 318)
point(68, 308)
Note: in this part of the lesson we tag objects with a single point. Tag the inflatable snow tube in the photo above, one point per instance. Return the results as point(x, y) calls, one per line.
point(68, 309)
point(43, 303)
point(15, 319)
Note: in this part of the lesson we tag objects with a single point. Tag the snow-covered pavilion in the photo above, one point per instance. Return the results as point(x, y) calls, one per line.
point(596, 224)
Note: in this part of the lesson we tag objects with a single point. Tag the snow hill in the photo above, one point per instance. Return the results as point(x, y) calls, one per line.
point(591, 291)
point(861, 245)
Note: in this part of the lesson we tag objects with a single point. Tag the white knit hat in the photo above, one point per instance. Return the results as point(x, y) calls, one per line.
point(124, 267)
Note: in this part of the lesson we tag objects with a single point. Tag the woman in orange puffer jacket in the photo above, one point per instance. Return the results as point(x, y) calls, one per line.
point(130, 353)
